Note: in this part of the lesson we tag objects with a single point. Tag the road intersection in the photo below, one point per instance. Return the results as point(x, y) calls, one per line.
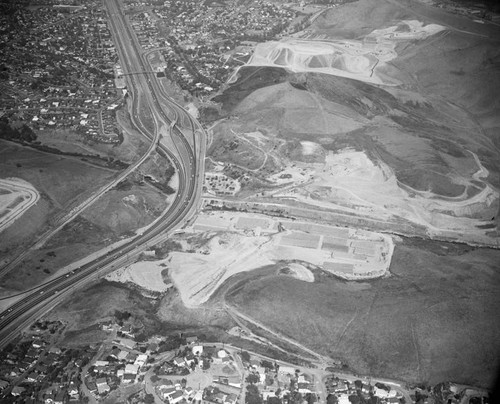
point(187, 155)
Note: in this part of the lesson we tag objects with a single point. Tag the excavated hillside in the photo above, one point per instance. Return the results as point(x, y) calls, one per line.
point(418, 144)
point(437, 131)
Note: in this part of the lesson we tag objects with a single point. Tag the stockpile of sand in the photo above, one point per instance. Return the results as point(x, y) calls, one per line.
point(300, 272)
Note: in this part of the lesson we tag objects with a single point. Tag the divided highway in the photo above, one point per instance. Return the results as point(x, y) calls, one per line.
point(187, 156)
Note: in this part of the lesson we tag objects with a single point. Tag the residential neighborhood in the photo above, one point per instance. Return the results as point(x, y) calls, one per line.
point(178, 368)
point(57, 71)
point(201, 43)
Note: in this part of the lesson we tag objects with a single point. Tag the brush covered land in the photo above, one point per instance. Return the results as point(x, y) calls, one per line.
point(64, 180)
point(434, 319)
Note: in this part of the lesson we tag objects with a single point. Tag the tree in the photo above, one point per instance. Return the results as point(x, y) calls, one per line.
point(296, 397)
point(267, 364)
point(332, 399)
point(149, 398)
point(245, 356)
point(253, 395)
point(252, 378)
point(310, 398)
point(354, 399)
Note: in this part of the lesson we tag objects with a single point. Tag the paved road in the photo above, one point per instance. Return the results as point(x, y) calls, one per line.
point(187, 157)
point(148, 384)
point(12, 211)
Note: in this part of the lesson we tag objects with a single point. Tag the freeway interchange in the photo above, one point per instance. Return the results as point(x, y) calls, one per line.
point(185, 149)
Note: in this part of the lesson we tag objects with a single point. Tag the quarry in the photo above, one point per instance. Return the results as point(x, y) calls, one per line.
point(351, 182)
point(355, 59)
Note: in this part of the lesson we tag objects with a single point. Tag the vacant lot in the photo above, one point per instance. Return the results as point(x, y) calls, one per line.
point(435, 319)
point(116, 213)
point(60, 181)
point(60, 178)
point(43, 263)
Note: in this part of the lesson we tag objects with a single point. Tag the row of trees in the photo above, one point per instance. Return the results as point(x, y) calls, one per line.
point(22, 133)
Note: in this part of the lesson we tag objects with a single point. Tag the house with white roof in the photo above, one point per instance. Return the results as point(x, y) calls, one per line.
point(141, 360)
point(131, 369)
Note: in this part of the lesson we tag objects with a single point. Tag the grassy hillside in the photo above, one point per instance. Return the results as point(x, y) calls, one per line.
point(434, 319)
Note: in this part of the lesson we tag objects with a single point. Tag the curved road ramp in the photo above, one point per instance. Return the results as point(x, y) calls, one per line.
point(16, 197)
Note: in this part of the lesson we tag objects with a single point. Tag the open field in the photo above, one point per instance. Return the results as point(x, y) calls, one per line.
point(59, 180)
point(234, 148)
point(120, 211)
point(44, 263)
point(434, 319)
point(115, 214)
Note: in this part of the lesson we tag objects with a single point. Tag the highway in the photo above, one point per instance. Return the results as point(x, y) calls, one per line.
point(187, 155)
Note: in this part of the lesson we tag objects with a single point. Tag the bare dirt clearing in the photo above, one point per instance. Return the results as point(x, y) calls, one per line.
point(351, 180)
point(145, 274)
point(356, 59)
point(253, 241)
point(117, 214)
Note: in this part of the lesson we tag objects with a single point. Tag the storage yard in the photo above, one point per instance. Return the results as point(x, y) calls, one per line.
point(238, 242)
